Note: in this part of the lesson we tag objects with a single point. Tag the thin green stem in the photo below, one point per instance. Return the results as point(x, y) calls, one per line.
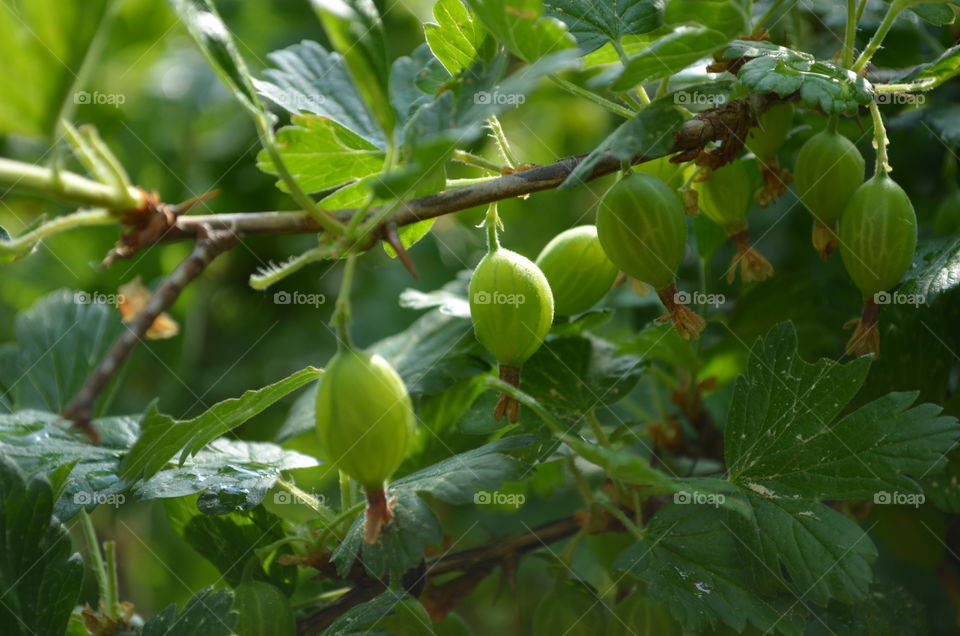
point(639, 94)
point(475, 160)
point(582, 485)
point(579, 91)
point(272, 274)
point(602, 438)
point(850, 34)
point(24, 243)
point(768, 15)
point(306, 498)
point(913, 87)
point(68, 186)
point(861, 8)
point(492, 221)
point(96, 559)
point(618, 514)
point(112, 595)
point(880, 140)
point(458, 183)
point(341, 312)
point(268, 141)
point(895, 8)
point(493, 122)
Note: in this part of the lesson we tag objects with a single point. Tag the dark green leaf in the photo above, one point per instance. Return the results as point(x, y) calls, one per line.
point(162, 437)
point(310, 79)
point(888, 609)
point(649, 134)
point(777, 69)
point(456, 480)
point(208, 613)
point(40, 575)
point(937, 13)
point(936, 269)
point(93, 477)
point(356, 32)
point(364, 618)
point(574, 375)
point(594, 24)
point(59, 341)
point(938, 71)
point(782, 438)
point(216, 43)
point(695, 565)
point(693, 30)
point(229, 541)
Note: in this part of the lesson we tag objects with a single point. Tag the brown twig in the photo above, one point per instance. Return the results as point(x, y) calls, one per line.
point(209, 245)
point(726, 123)
point(484, 557)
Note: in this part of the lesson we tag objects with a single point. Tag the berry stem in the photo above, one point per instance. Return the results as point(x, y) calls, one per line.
point(341, 312)
point(507, 405)
point(379, 513)
point(492, 222)
point(895, 8)
point(866, 335)
point(880, 141)
point(850, 35)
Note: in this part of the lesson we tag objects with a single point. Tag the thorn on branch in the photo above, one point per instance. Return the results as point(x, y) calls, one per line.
point(390, 234)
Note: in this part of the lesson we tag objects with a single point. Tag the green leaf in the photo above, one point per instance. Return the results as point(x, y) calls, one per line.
point(230, 474)
point(936, 269)
point(43, 48)
point(365, 617)
point(889, 609)
point(456, 37)
point(693, 30)
point(521, 26)
point(356, 32)
point(695, 565)
point(310, 79)
point(935, 73)
point(409, 235)
point(574, 375)
point(783, 437)
point(826, 555)
point(456, 480)
point(93, 477)
point(433, 353)
point(321, 154)
point(40, 575)
point(777, 69)
point(59, 341)
point(229, 541)
point(208, 613)
point(216, 43)
point(648, 134)
point(162, 437)
point(618, 464)
point(937, 13)
point(943, 487)
point(594, 24)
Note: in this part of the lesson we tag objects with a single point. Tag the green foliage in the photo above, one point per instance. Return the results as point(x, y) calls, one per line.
point(40, 574)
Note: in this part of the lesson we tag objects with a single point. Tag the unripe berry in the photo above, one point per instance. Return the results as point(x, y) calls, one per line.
point(365, 421)
point(829, 169)
point(643, 229)
point(766, 138)
point(725, 197)
point(578, 270)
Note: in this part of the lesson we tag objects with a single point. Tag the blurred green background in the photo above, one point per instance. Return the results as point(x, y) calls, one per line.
point(179, 132)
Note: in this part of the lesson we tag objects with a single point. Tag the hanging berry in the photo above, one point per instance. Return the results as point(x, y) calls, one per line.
point(724, 198)
point(511, 306)
point(578, 270)
point(643, 230)
point(765, 140)
point(829, 169)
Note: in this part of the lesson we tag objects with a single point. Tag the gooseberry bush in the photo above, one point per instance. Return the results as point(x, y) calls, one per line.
point(623, 406)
